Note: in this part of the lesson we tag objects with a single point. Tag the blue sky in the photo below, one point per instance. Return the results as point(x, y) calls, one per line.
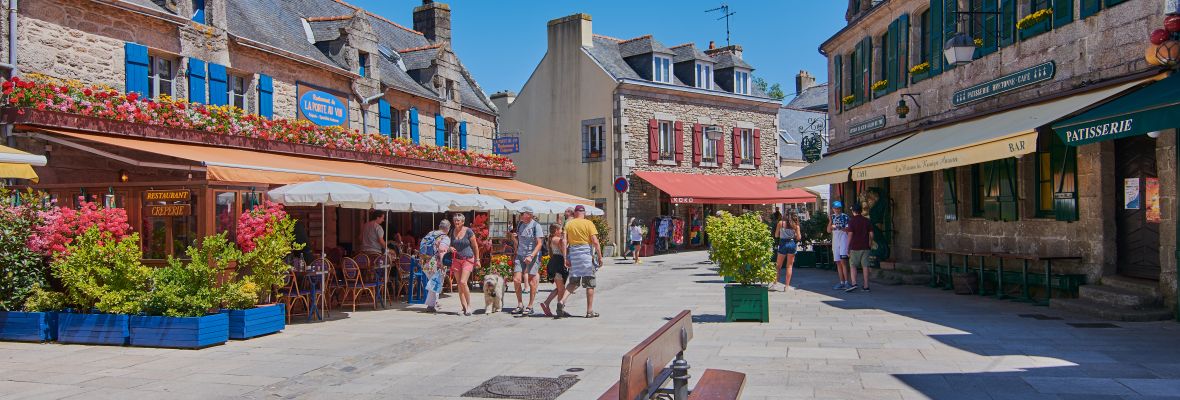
point(501, 41)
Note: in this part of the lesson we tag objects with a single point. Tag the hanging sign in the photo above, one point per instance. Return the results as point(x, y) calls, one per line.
point(506, 145)
point(621, 185)
point(1006, 83)
point(321, 107)
point(1151, 187)
point(1131, 194)
point(171, 210)
point(812, 147)
point(867, 126)
point(181, 195)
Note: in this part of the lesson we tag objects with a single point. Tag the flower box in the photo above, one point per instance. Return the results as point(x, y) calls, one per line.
point(1036, 29)
point(747, 303)
point(880, 93)
point(28, 326)
point(179, 332)
point(257, 321)
point(105, 329)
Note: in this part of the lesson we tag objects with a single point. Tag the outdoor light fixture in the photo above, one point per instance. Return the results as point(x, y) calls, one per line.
point(903, 108)
point(123, 177)
point(712, 133)
point(960, 49)
point(1153, 134)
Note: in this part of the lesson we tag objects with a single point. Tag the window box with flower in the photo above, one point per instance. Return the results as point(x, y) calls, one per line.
point(880, 88)
point(920, 72)
point(1035, 24)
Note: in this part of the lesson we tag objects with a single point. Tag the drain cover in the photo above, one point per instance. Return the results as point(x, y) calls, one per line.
point(523, 387)
point(1092, 325)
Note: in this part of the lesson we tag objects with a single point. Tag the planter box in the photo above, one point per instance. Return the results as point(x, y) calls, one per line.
point(747, 303)
point(915, 78)
point(1037, 29)
point(28, 326)
point(179, 332)
point(805, 259)
point(105, 329)
point(880, 93)
point(257, 321)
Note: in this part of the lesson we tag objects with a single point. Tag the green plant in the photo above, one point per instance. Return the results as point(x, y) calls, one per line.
point(880, 85)
point(742, 247)
point(41, 300)
point(240, 294)
point(22, 270)
point(1032, 19)
point(849, 99)
point(978, 42)
point(603, 229)
point(266, 261)
point(815, 229)
point(103, 273)
point(189, 288)
point(920, 68)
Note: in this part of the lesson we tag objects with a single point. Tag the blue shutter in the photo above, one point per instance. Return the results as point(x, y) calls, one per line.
point(218, 89)
point(136, 68)
point(383, 117)
point(266, 93)
point(196, 80)
point(199, 11)
point(463, 135)
point(440, 130)
point(414, 125)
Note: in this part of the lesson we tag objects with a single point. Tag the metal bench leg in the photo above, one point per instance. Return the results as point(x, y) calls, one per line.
point(680, 377)
point(982, 263)
point(1048, 281)
point(1024, 295)
point(1000, 280)
point(933, 280)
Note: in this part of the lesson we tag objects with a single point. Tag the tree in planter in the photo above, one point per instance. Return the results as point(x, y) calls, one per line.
point(603, 230)
point(742, 246)
point(189, 288)
point(102, 272)
point(265, 258)
point(22, 270)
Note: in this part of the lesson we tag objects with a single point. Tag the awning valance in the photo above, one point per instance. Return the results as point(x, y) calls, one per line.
point(1154, 107)
point(723, 189)
point(18, 164)
point(833, 168)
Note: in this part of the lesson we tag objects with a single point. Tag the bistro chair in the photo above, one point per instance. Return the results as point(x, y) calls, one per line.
point(291, 295)
point(405, 266)
point(354, 284)
point(324, 266)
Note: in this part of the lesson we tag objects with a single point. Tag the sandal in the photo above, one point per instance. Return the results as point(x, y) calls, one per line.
point(517, 310)
point(546, 310)
point(591, 315)
point(528, 312)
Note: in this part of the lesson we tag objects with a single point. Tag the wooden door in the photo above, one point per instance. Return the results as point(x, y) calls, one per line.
point(926, 212)
point(1138, 240)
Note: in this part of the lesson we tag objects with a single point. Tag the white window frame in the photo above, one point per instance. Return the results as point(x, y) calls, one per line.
point(156, 81)
point(238, 98)
point(741, 81)
point(704, 75)
point(395, 122)
point(595, 137)
point(661, 69)
point(708, 146)
point(666, 133)
point(451, 128)
point(746, 136)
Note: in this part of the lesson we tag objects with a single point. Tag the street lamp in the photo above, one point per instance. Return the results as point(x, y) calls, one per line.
point(712, 133)
point(960, 49)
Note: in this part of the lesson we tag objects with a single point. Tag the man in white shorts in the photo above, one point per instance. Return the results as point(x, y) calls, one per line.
point(836, 226)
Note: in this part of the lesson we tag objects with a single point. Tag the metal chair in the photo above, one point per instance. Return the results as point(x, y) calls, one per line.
point(324, 294)
point(290, 294)
point(354, 284)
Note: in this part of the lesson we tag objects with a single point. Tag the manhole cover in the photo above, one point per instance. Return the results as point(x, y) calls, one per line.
point(1097, 325)
point(523, 387)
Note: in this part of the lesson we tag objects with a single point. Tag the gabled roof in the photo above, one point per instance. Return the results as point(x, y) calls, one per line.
point(606, 51)
point(689, 52)
point(642, 45)
point(813, 98)
point(420, 57)
point(727, 59)
point(325, 29)
point(393, 76)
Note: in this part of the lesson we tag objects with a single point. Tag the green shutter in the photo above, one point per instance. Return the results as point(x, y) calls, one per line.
point(837, 62)
point(1112, 3)
point(950, 26)
point(1007, 198)
point(991, 189)
point(1090, 7)
point(990, 22)
point(1065, 182)
point(1007, 22)
point(891, 59)
point(867, 70)
point(1062, 12)
point(950, 195)
point(903, 51)
point(936, 43)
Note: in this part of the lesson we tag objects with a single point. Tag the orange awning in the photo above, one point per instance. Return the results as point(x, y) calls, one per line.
point(724, 189)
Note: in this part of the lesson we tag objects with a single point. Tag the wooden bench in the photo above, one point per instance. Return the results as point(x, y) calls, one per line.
point(645, 369)
point(998, 274)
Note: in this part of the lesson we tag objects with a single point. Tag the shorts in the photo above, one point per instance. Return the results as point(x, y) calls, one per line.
point(839, 247)
point(787, 247)
point(587, 282)
point(460, 265)
point(519, 266)
point(635, 244)
point(556, 268)
point(858, 258)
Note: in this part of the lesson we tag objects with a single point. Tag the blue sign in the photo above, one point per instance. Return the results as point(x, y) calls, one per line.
point(506, 145)
point(621, 184)
point(322, 108)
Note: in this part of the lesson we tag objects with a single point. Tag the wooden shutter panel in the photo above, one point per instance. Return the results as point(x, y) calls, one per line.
point(1065, 182)
point(196, 80)
point(950, 195)
point(1090, 7)
point(462, 135)
point(990, 26)
point(890, 67)
point(440, 130)
point(721, 150)
point(218, 88)
point(935, 35)
point(383, 124)
point(737, 148)
point(991, 205)
point(137, 69)
point(678, 141)
point(1112, 3)
point(1007, 181)
point(757, 148)
point(414, 125)
point(266, 94)
point(653, 140)
point(697, 137)
point(903, 52)
point(866, 75)
point(1062, 12)
point(838, 70)
point(1007, 23)
point(950, 25)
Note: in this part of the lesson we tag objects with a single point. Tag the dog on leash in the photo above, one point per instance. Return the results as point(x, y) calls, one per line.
point(493, 293)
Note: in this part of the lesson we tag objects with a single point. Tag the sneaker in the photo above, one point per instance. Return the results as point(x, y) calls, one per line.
point(791, 288)
point(840, 286)
point(865, 289)
point(852, 288)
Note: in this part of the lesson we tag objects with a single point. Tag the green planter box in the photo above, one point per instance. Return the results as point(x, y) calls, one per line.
point(727, 279)
point(806, 259)
point(747, 303)
point(1037, 29)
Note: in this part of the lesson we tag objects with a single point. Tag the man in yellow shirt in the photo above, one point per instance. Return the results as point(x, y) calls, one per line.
point(582, 249)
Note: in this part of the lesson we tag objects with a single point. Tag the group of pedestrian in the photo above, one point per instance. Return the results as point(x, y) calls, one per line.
point(452, 248)
point(852, 239)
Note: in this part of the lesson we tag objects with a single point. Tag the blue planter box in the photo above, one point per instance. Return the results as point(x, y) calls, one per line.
point(28, 326)
point(257, 321)
point(179, 332)
point(108, 329)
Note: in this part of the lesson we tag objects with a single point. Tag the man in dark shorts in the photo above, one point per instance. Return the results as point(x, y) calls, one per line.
point(860, 237)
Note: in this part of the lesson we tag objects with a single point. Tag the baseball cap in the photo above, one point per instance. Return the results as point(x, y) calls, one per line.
point(526, 210)
point(837, 204)
point(580, 208)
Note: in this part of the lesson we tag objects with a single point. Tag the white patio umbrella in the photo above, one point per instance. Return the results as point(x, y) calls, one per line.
point(407, 201)
point(454, 201)
point(493, 203)
point(326, 193)
point(590, 210)
point(540, 207)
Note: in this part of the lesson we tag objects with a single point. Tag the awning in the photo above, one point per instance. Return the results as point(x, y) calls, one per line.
point(833, 168)
point(18, 164)
point(723, 189)
point(1006, 134)
point(1154, 107)
point(507, 189)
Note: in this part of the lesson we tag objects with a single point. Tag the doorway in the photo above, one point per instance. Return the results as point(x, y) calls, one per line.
point(1138, 238)
point(926, 213)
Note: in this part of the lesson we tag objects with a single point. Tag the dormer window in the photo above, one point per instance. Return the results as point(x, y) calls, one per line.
point(661, 69)
point(741, 82)
point(362, 60)
point(704, 76)
point(199, 11)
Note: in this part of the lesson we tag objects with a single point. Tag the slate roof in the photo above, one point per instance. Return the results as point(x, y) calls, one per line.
point(791, 122)
point(812, 98)
point(727, 59)
point(689, 52)
point(609, 53)
point(328, 30)
point(419, 58)
point(152, 4)
point(642, 45)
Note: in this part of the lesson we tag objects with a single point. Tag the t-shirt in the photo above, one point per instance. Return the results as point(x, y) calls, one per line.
point(858, 229)
point(462, 245)
point(636, 234)
point(579, 230)
point(526, 238)
point(373, 238)
point(839, 221)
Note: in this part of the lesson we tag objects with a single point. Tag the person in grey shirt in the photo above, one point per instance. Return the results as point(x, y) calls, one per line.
point(529, 237)
point(373, 234)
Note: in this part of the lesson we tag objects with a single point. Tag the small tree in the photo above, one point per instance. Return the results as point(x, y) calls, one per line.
point(742, 247)
point(189, 288)
point(22, 270)
point(603, 229)
point(104, 273)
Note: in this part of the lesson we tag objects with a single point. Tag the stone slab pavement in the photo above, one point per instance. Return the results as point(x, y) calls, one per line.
point(897, 342)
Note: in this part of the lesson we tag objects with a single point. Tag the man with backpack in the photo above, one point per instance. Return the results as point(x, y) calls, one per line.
point(527, 265)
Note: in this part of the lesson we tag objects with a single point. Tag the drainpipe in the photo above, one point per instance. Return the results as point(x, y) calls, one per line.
point(10, 141)
point(1176, 220)
point(365, 115)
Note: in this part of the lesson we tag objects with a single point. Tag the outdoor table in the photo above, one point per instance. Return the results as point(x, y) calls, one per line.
point(933, 259)
point(318, 280)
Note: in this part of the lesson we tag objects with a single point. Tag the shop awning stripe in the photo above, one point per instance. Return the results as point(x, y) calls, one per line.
point(833, 168)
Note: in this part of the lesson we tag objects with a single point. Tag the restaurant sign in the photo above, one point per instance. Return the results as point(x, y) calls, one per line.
point(1006, 83)
point(506, 145)
point(320, 106)
point(867, 126)
point(182, 195)
point(683, 200)
point(171, 210)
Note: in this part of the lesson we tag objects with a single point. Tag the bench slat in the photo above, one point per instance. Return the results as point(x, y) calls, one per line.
point(719, 384)
point(660, 348)
point(611, 394)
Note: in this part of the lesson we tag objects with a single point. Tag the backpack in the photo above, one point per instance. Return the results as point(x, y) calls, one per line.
point(426, 246)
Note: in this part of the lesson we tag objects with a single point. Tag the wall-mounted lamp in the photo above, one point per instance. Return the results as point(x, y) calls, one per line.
point(123, 176)
point(903, 108)
point(1153, 134)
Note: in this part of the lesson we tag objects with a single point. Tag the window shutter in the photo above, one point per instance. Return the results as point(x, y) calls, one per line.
point(414, 125)
point(1112, 3)
point(935, 35)
point(199, 11)
point(463, 135)
point(678, 142)
point(218, 90)
point(950, 195)
point(838, 69)
point(266, 93)
point(1065, 182)
point(697, 137)
point(737, 148)
point(1090, 7)
point(1007, 189)
point(866, 46)
point(653, 140)
point(585, 143)
point(950, 26)
point(757, 148)
point(890, 67)
point(990, 22)
point(136, 66)
point(383, 118)
point(721, 150)
point(1007, 23)
point(1062, 12)
point(991, 204)
point(440, 130)
point(196, 80)
point(903, 52)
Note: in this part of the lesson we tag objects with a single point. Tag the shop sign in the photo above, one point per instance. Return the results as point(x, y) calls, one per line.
point(1093, 133)
point(171, 210)
point(182, 195)
point(321, 107)
point(506, 145)
point(1131, 198)
point(683, 200)
point(1006, 83)
point(867, 126)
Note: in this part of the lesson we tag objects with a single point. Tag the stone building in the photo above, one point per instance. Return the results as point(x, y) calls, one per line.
point(966, 147)
point(682, 124)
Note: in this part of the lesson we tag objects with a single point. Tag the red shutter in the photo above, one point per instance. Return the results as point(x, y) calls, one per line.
point(757, 148)
point(720, 150)
point(678, 142)
point(696, 144)
point(737, 148)
point(653, 140)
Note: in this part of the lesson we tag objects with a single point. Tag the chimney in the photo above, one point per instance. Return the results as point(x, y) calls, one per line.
point(712, 45)
point(733, 48)
point(503, 99)
point(574, 30)
point(803, 81)
point(434, 21)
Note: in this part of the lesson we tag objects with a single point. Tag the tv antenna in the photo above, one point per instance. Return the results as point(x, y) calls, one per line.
point(726, 14)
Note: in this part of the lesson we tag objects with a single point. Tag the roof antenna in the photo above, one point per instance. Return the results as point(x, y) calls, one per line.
point(724, 10)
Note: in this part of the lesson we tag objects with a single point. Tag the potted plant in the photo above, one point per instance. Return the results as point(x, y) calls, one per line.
point(608, 248)
point(27, 312)
point(183, 293)
point(1035, 24)
point(814, 230)
point(102, 276)
point(920, 72)
point(879, 88)
point(742, 247)
point(848, 100)
point(266, 234)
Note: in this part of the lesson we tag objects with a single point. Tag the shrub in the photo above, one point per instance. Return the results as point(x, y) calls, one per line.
point(266, 261)
point(240, 294)
point(603, 229)
point(103, 272)
point(189, 288)
point(41, 300)
point(255, 223)
point(22, 270)
point(742, 247)
point(60, 225)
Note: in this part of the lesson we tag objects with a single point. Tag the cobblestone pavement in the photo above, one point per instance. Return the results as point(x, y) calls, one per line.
point(896, 342)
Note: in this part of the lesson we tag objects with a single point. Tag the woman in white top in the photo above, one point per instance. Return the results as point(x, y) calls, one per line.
point(636, 239)
point(788, 235)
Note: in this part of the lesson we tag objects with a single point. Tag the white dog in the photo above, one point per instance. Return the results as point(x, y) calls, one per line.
point(493, 293)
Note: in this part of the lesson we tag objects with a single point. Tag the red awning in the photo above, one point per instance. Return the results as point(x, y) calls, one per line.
point(724, 189)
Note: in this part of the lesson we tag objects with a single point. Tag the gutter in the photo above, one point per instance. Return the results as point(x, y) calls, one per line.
point(141, 10)
point(364, 115)
point(1176, 220)
point(11, 65)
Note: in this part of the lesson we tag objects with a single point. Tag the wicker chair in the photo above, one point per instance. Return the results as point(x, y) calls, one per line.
point(355, 285)
point(290, 295)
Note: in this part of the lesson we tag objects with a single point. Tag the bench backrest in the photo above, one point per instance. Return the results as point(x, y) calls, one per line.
point(643, 363)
